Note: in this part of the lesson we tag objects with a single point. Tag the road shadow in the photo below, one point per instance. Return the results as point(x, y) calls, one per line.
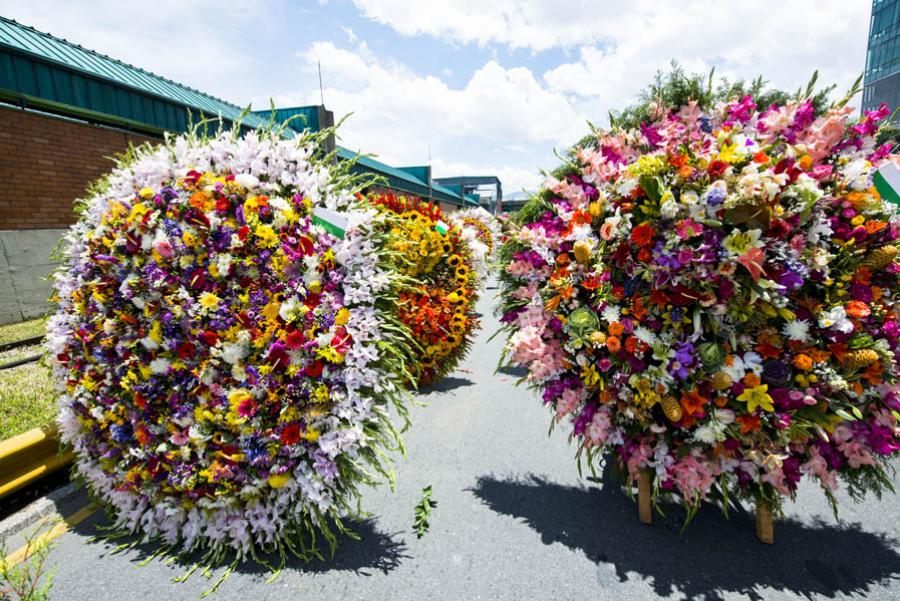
point(448, 384)
point(374, 551)
point(516, 371)
point(713, 559)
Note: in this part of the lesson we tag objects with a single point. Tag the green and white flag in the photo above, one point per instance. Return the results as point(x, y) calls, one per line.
point(441, 227)
point(887, 182)
point(332, 222)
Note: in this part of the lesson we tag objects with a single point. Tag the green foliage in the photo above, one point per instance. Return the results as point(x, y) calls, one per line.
point(423, 512)
point(28, 580)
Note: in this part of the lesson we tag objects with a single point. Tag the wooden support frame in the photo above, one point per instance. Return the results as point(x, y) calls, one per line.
point(765, 526)
point(645, 506)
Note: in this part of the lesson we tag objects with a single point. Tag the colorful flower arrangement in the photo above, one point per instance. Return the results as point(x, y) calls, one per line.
point(712, 295)
point(225, 344)
point(438, 302)
point(481, 231)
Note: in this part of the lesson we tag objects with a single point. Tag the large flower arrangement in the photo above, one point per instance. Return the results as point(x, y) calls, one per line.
point(712, 295)
point(438, 301)
point(481, 231)
point(223, 358)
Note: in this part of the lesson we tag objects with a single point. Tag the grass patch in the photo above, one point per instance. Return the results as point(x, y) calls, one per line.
point(27, 396)
point(20, 331)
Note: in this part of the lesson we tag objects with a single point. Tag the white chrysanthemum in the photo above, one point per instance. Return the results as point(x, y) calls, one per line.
point(612, 313)
point(797, 330)
point(645, 335)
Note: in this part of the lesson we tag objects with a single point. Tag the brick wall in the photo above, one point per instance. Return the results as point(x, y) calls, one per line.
point(46, 163)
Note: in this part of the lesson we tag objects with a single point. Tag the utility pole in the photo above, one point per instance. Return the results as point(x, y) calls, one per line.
point(321, 91)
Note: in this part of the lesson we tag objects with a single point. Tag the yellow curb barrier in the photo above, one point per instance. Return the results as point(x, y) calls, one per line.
point(30, 456)
point(63, 526)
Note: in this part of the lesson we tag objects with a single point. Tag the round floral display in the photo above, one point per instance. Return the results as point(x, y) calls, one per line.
point(218, 344)
point(438, 303)
point(481, 231)
point(712, 295)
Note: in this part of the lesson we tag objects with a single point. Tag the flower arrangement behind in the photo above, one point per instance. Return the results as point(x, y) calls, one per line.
point(226, 345)
point(481, 232)
point(707, 290)
point(438, 301)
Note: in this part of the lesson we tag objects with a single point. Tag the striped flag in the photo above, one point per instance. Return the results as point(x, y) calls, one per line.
point(333, 223)
point(441, 227)
point(887, 182)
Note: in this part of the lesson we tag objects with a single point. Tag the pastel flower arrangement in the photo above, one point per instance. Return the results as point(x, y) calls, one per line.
point(481, 231)
point(226, 362)
point(437, 303)
point(712, 295)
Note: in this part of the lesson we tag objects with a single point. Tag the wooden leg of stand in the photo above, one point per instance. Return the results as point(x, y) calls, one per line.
point(645, 511)
point(765, 529)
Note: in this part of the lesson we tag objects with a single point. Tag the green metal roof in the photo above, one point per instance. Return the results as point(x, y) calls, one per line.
point(398, 179)
point(39, 69)
point(302, 117)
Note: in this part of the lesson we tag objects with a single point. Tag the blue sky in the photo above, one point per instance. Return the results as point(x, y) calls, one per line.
point(485, 87)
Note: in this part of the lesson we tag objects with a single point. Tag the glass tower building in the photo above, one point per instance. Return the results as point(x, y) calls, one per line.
point(882, 79)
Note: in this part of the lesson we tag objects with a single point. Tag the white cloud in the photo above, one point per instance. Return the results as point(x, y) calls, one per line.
point(620, 45)
point(531, 24)
point(401, 115)
point(782, 41)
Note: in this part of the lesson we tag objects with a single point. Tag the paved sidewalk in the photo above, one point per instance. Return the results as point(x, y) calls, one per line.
point(514, 521)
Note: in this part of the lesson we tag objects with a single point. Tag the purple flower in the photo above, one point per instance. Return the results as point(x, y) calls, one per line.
point(684, 359)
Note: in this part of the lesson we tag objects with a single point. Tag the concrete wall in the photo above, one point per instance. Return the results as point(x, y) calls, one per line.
point(24, 269)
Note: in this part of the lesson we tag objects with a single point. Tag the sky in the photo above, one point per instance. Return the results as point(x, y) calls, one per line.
point(482, 87)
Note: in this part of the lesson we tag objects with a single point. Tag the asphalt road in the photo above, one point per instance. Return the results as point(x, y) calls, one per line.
point(514, 521)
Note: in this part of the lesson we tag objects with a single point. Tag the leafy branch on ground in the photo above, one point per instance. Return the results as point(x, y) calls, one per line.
point(423, 512)
point(27, 580)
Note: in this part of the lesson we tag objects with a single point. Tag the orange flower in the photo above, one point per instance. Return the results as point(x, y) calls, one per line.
point(803, 362)
point(754, 260)
point(642, 235)
point(637, 308)
point(693, 402)
point(873, 227)
point(768, 351)
point(616, 328)
point(613, 344)
point(858, 309)
point(749, 423)
point(873, 374)
point(751, 380)
point(198, 200)
point(685, 171)
point(818, 355)
point(677, 160)
point(591, 283)
point(631, 344)
point(862, 275)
